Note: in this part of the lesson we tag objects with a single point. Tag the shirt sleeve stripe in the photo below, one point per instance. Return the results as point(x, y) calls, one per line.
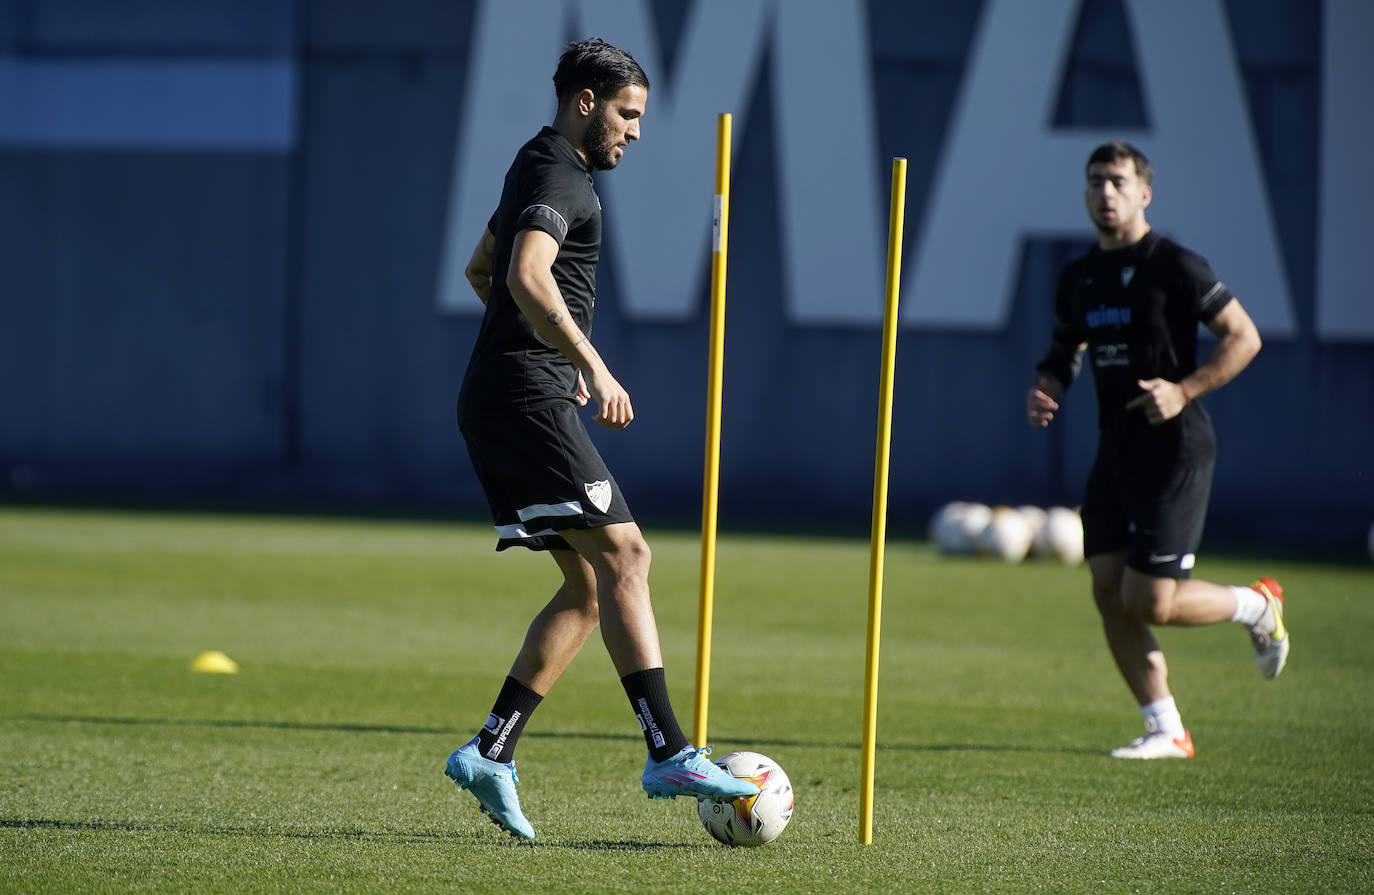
point(545, 218)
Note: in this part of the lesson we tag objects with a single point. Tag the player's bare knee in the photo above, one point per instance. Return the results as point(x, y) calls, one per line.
point(1150, 608)
point(633, 560)
point(628, 560)
point(581, 589)
point(578, 593)
point(575, 602)
point(1149, 599)
point(1147, 612)
point(587, 607)
point(1108, 601)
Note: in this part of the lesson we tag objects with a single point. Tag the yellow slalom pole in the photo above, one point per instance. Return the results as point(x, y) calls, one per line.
point(880, 465)
point(720, 231)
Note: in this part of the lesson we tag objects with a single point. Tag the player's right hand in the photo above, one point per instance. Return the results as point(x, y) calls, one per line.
point(1040, 407)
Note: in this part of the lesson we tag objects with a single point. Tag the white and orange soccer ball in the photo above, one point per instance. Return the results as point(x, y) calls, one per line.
point(754, 820)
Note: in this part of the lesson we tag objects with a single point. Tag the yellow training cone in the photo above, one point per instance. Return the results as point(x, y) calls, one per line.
point(214, 662)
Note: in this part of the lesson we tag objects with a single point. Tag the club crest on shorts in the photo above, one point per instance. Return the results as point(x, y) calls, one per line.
point(599, 493)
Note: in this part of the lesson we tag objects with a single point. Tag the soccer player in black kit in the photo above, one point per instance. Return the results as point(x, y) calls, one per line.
point(1133, 305)
point(532, 366)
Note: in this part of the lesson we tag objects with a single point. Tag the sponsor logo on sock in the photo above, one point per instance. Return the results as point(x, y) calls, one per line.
point(647, 723)
point(493, 723)
point(496, 747)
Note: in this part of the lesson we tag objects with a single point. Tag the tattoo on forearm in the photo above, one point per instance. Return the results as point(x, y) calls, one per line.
point(555, 316)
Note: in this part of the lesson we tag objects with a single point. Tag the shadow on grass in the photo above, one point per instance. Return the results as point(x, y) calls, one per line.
point(248, 723)
point(112, 826)
point(117, 826)
point(328, 727)
point(337, 727)
point(622, 845)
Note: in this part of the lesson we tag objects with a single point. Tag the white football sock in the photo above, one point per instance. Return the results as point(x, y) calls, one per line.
point(1162, 716)
point(1252, 609)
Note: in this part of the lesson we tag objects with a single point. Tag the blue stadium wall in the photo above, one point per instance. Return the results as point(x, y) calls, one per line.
point(224, 226)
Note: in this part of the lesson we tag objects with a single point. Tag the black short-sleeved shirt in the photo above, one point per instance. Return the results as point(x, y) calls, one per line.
point(1138, 308)
point(512, 368)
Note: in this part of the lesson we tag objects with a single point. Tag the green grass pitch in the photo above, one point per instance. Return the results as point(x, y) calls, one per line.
point(370, 649)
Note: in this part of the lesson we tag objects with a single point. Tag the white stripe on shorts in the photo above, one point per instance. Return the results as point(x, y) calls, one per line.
point(534, 511)
point(517, 532)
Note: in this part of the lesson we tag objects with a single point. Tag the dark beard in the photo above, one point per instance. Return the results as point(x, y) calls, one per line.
point(596, 144)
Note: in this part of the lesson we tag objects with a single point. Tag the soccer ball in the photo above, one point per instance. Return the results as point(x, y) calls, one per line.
point(1064, 534)
point(1036, 518)
point(753, 820)
point(956, 526)
point(1006, 536)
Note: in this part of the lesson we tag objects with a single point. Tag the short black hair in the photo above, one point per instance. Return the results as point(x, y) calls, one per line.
point(593, 64)
point(1117, 150)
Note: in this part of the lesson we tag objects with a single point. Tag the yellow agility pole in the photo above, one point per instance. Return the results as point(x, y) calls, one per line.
point(880, 464)
point(720, 231)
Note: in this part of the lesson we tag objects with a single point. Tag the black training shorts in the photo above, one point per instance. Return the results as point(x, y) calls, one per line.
point(542, 474)
point(1156, 511)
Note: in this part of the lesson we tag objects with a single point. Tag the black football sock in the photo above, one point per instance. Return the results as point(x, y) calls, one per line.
point(648, 694)
point(513, 708)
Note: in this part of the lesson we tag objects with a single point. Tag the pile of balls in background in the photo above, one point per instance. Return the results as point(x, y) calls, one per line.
point(965, 528)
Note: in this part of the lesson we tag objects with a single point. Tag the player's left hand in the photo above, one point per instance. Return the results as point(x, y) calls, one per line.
point(581, 396)
point(1162, 400)
point(614, 410)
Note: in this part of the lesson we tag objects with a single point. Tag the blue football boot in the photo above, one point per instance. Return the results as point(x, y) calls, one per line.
point(493, 783)
point(688, 773)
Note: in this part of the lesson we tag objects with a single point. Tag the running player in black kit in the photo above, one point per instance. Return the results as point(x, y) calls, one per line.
point(1133, 305)
point(532, 366)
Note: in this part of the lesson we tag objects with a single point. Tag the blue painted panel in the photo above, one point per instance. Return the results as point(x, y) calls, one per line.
point(182, 27)
point(141, 309)
point(142, 104)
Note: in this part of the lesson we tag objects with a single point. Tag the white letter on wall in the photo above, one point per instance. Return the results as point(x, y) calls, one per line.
point(505, 102)
point(658, 201)
point(1005, 174)
point(1345, 308)
point(831, 208)
point(657, 208)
